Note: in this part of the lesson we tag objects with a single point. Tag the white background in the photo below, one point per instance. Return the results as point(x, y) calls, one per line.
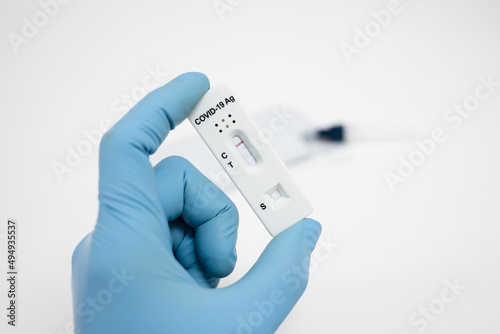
point(396, 248)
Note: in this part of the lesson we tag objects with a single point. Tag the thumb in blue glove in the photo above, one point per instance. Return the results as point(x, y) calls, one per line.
point(166, 235)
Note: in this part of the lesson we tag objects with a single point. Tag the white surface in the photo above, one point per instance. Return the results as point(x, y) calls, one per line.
point(219, 118)
point(394, 249)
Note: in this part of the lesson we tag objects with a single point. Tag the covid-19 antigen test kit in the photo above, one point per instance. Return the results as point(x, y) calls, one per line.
point(249, 160)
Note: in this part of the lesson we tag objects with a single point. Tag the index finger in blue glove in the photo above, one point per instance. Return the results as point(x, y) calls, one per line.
point(127, 181)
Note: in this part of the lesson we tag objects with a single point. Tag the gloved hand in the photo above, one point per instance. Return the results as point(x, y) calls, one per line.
point(166, 235)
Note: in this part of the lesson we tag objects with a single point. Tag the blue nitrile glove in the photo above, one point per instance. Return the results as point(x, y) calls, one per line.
point(165, 235)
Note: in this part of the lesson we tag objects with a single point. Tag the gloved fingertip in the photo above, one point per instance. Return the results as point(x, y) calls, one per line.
point(198, 79)
point(220, 268)
point(305, 233)
point(314, 229)
point(218, 258)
